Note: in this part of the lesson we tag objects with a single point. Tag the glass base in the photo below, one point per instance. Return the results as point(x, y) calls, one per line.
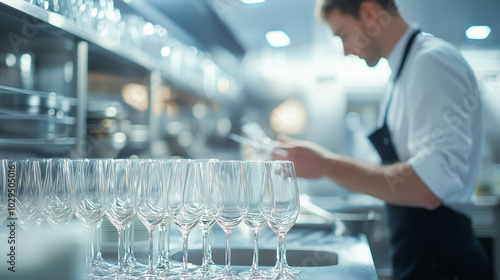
point(169, 272)
point(132, 263)
point(288, 269)
point(149, 276)
point(102, 264)
point(167, 265)
point(252, 275)
point(183, 276)
point(96, 271)
point(289, 273)
point(229, 276)
point(213, 272)
point(121, 276)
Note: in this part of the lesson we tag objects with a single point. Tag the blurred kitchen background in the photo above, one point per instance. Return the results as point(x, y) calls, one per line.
point(175, 78)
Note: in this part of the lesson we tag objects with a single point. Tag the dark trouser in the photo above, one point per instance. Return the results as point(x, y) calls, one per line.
point(434, 245)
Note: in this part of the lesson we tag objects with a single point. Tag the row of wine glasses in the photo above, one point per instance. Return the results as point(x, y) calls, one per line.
point(186, 192)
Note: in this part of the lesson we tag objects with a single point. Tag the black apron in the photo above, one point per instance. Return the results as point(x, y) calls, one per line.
point(428, 245)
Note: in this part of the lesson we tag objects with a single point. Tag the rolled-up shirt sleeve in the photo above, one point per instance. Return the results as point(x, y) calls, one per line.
point(442, 98)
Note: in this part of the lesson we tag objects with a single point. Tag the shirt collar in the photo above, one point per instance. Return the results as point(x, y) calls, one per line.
point(397, 52)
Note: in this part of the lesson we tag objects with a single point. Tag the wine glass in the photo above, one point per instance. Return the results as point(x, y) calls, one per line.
point(28, 191)
point(119, 200)
point(280, 205)
point(59, 194)
point(88, 181)
point(185, 204)
point(4, 185)
point(151, 203)
point(207, 221)
point(254, 180)
point(131, 263)
point(44, 165)
point(165, 265)
point(98, 259)
point(228, 203)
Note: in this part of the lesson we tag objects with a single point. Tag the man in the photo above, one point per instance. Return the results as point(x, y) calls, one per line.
point(429, 141)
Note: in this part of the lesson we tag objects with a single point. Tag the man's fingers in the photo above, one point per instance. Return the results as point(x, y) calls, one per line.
point(280, 154)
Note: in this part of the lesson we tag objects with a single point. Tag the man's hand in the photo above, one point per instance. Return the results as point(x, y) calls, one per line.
point(310, 159)
point(396, 183)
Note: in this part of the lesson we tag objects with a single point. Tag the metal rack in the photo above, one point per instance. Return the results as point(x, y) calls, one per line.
point(88, 45)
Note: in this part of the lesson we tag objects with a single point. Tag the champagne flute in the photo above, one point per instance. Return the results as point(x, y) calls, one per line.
point(131, 263)
point(88, 180)
point(59, 194)
point(207, 221)
point(228, 203)
point(185, 204)
point(98, 259)
point(44, 179)
point(280, 205)
point(151, 204)
point(254, 180)
point(28, 191)
point(119, 206)
point(165, 264)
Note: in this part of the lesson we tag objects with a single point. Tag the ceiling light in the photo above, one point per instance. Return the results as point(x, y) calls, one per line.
point(248, 2)
point(277, 39)
point(479, 32)
point(165, 51)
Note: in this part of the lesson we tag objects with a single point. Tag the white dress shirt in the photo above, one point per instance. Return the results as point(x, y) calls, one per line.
point(435, 118)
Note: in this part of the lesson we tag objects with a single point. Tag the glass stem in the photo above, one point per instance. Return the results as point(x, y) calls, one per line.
point(161, 246)
point(93, 244)
point(281, 255)
point(130, 249)
point(205, 263)
point(126, 242)
point(150, 255)
point(255, 261)
point(209, 250)
point(98, 233)
point(121, 251)
point(167, 249)
point(228, 253)
point(185, 237)
point(88, 247)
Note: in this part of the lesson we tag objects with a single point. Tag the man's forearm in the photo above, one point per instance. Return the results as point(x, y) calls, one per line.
point(396, 183)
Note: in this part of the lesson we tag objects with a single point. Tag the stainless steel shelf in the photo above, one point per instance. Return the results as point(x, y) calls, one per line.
point(55, 141)
point(59, 21)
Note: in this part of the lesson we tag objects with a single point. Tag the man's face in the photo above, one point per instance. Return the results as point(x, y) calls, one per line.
point(352, 32)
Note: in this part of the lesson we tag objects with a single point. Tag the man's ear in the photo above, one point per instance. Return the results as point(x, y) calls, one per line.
point(368, 11)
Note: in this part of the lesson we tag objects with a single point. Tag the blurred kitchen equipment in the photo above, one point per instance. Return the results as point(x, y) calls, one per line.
point(35, 114)
point(255, 132)
point(339, 218)
point(107, 128)
point(17, 70)
point(256, 138)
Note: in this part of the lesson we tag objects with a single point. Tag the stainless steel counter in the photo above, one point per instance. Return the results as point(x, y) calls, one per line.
point(317, 253)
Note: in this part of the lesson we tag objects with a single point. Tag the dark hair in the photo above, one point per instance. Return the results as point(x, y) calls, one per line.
point(351, 7)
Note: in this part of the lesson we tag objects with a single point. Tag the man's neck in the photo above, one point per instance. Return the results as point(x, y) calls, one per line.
point(392, 34)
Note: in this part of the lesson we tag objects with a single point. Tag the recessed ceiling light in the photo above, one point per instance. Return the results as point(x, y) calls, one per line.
point(248, 2)
point(277, 39)
point(478, 32)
